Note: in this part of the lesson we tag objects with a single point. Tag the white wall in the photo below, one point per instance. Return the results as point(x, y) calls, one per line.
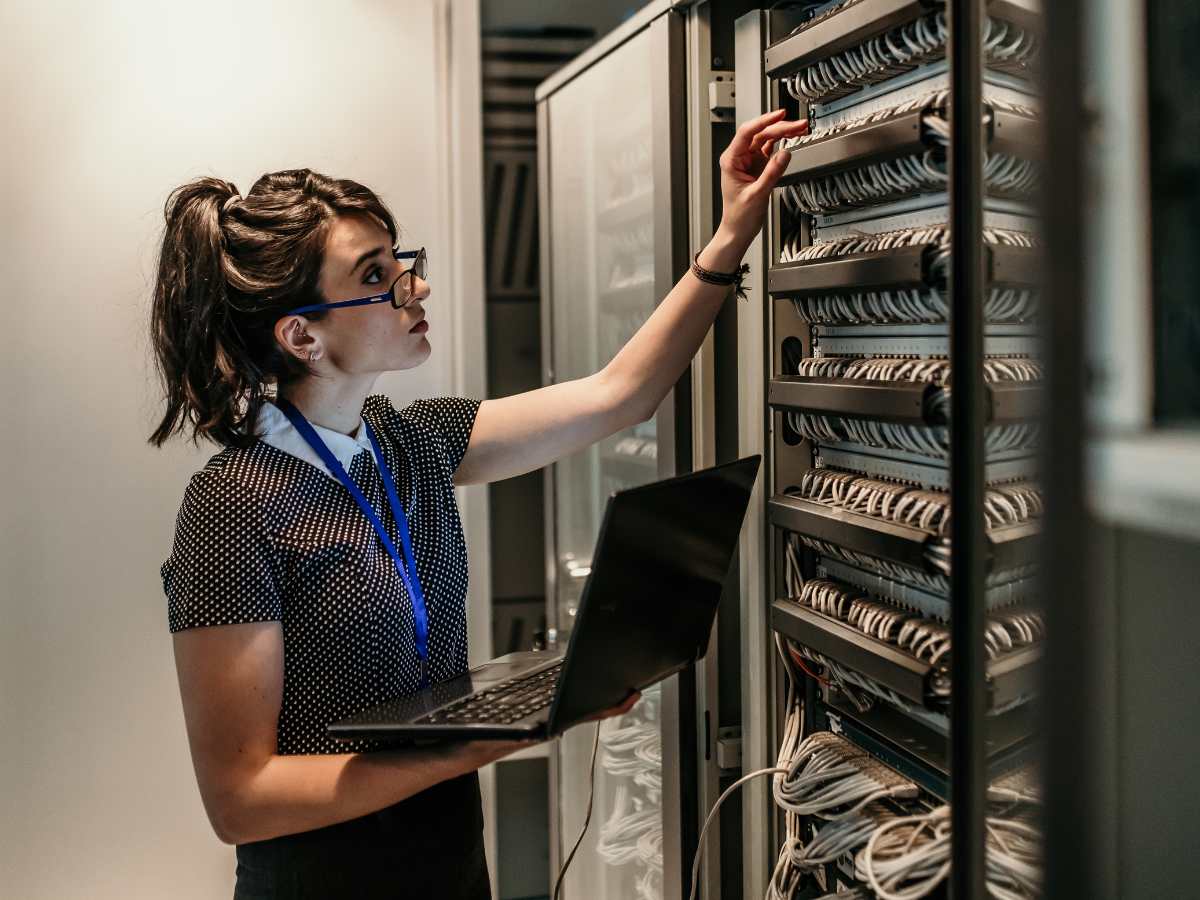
point(106, 107)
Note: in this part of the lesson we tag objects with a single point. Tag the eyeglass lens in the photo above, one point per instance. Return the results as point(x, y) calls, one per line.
point(402, 289)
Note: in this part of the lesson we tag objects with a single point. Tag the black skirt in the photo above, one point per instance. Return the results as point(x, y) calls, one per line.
point(430, 845)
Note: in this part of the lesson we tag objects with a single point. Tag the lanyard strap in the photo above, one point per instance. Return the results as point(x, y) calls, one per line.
point(412, 582)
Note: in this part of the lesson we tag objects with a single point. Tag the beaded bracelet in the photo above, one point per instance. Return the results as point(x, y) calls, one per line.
point(726, 278)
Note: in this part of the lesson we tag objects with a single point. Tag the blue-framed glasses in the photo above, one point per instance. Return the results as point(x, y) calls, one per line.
point(400, 293)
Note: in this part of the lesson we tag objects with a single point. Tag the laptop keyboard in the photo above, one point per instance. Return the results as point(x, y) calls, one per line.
point(503, 704)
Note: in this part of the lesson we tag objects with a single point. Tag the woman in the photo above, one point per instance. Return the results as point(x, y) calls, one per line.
point(319, 565)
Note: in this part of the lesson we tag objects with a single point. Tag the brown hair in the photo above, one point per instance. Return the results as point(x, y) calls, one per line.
point(230, 266)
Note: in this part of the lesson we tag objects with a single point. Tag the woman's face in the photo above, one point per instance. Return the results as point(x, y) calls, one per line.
point(377, 337)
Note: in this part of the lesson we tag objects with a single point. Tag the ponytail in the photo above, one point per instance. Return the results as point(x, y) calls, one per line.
point(228, 270)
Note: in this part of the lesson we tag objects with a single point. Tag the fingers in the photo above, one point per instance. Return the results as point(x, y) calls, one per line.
point(772, 171)
point(627, 704)
point(766, 138)
point(741, 138)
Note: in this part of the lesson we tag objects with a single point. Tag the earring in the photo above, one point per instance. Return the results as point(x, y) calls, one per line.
point(313, 356)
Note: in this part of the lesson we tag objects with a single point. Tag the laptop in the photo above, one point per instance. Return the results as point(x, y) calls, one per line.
point(646, 612)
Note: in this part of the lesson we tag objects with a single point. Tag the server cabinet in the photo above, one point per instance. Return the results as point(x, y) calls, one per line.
point(900, 512)
point(613, 229)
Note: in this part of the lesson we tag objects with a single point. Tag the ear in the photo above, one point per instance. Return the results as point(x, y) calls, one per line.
point(291, 333)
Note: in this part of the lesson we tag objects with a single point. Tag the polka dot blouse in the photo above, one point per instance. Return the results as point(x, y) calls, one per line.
point(265, 536)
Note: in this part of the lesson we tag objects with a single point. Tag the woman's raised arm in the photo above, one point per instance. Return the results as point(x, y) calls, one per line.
point(517, 434)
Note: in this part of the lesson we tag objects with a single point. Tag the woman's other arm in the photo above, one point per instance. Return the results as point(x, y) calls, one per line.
point(231, 682)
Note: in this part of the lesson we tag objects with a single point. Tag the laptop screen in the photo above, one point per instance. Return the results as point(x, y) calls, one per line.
point(648, 606)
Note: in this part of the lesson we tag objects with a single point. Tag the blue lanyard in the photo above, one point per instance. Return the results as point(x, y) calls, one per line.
point(411, 581)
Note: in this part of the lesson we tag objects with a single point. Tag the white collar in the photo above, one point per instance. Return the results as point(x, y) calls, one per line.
point(276, 429)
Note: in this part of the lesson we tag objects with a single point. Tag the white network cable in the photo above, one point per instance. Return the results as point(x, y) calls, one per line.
point(929, 370)
point(923, 173)
point(934, 101)
point(793, 727)
point(1008, 504)
point(909, 857)
point(925, 638)
point(786, 875)
point(937, 236)
point(830, 843)
point(830, 778)
point(1006, 47)
point(620, 836)
point(937, 582)
point(927, 440)
point(927, 303)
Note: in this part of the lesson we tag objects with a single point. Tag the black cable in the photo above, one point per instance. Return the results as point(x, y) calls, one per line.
point(587, 816)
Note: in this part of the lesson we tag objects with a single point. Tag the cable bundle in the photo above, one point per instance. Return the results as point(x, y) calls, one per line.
point(909, 857)
point(927, 440)
point(937, 236)
point(632, 834)
point(927, 303)
point(635, 751)
point(858, 688)
point(930, 581)
point(900, 306)
point(924, 637)
point(903, 504)
point(935, 101)
point(829, 777)
point(830, 843)
point(649, 885)
point(1006, 47)
point(620, 837)
point(629, 168)
point(937, 582)
point(920, 173)
point(931, 370)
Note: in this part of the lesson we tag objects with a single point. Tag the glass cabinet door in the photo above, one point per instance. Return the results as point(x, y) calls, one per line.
point(601, 205)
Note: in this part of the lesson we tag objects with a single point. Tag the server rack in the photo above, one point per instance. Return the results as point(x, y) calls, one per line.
point(901, 247)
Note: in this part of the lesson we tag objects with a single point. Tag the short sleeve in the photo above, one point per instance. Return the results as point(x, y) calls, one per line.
point(221, 570)
point(450, 419)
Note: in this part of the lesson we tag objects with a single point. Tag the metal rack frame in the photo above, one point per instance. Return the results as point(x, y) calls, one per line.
point(973, 746)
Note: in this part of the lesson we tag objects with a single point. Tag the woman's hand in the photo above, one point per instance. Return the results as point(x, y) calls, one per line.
point(619, 710)
point(481, 753)
point(749, 172)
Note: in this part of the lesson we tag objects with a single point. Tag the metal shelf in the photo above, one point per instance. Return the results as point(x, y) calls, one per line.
point(847, 28)
point(903, 135)
point(875, 142)
point(891, 401)
point(925, 340)
point(866, 534)
point(865, 19)
point(890, 666)
point(1009, 677)
point(1009, 546)
point(918, 751)
point(897, 268)
point(895, 401)
point(927, 471)
point(901, 267)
